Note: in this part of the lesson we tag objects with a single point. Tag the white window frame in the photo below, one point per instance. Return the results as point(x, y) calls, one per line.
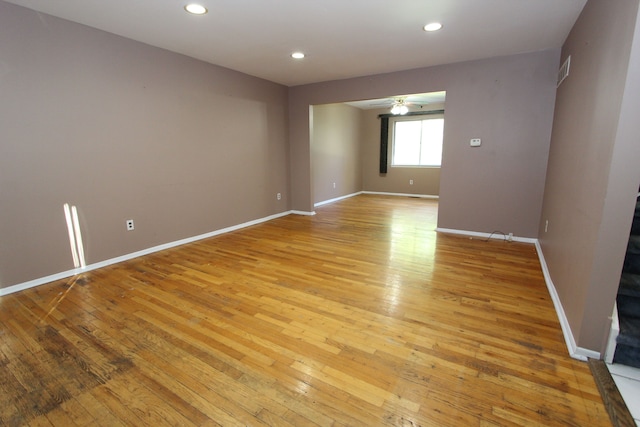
point(392, 130)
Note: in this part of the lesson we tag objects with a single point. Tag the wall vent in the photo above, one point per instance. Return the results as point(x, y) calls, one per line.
point(563, 73)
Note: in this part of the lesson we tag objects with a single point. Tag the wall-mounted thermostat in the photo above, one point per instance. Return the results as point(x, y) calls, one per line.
point(475, 142)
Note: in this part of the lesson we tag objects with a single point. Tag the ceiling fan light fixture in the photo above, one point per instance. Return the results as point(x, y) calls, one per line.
point(399, 109)
point(433, 26)
point(196, 9)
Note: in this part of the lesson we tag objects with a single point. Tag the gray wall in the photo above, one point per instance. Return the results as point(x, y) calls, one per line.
point(426, 181)
point(507, 101)
point(594, 170)
point(124, 130)
point(335, 151)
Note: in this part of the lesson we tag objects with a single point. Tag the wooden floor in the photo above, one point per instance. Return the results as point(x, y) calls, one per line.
point(359, 316)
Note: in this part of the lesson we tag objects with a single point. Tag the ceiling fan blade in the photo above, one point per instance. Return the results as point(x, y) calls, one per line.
point(381, 104)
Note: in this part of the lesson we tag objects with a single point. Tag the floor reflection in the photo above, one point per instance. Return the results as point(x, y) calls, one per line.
point(412, 247)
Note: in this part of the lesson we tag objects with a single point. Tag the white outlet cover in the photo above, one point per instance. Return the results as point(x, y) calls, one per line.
point(475, 142)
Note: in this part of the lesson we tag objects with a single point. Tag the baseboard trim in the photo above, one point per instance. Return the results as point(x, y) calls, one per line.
point(575, 352)
point(326, 202)
point(307, 213)
point(65, 274)
point(421, 196)
point(613, 335)
point(498, 236)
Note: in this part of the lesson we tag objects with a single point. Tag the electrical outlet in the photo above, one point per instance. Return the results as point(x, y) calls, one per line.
point(334, 185)
point(279, 196)
point(510, 238)
point(546, 225)
point(129, 224)
point(410, 182)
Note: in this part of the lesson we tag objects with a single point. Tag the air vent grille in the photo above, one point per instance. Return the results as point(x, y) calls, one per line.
point(563, 73)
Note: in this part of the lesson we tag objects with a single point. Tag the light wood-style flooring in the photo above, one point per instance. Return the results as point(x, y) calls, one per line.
point(361, 315)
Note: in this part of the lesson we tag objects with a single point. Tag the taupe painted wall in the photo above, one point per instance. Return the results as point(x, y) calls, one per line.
point(335, 151)
point(124, 130)
point(594, 167)
point(426, 181)
point(507, 101)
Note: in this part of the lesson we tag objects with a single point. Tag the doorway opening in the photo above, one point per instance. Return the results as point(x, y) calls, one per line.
point(347, 151)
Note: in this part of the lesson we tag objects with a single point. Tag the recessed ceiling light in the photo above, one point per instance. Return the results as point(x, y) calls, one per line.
point(195, 9)
point(434, 26)
point(297, 55)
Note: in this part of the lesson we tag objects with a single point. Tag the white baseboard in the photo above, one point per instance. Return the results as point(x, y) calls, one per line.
point(100, 264)
point(575, 352)
point(495, 235)
point(326, 202)
point(421, 196)
point(610, 351)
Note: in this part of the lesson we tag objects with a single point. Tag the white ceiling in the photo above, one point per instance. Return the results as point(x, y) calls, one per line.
point(342, 38)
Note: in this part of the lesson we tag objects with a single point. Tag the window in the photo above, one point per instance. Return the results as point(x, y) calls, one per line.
point(417, 142)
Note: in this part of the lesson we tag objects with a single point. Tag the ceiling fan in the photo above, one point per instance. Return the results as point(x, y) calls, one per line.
point(416, 101)
point(398, 105)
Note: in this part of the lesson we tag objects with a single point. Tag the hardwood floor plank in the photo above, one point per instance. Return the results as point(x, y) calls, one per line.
point(39, 421)
point(361, 315)
point(98, 412)
point(116, 405)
